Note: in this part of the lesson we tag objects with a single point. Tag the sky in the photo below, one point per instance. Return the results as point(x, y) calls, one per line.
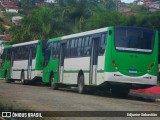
point(127, 1)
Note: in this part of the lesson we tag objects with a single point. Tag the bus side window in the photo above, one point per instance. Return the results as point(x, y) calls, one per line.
point(68, 49)
point(26, 52)
point(79, 40)
point(44, 45)
point(34, 51)
point(23, 52)
point(102, 43)
point(15, 55)
point(4, 55)
point(55, 50)
point(68, 53)
point(87, 46)
point(47, 55)
point(58, 49)
point(72, 48)
point(75, 47)
point(82, 46)
point(8, 54)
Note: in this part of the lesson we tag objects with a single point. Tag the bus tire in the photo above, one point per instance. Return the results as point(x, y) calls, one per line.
point(6, 78)
point(81, 85)
point(23, 82)
point(12, 80)
point(54, 86)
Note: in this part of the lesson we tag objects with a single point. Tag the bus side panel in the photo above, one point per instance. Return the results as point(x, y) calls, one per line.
point(39, 60)
point(39, 57)
point(154, 71)
point(100, 70)
point(52, 67)
point(72, 66)
point(7, 68)
point(18, 66)
point(108, 67)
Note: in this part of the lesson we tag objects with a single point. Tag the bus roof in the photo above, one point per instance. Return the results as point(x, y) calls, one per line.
point(86, 33)
point(54, 39)
point(79, 34)
point(25, 43)
point(7, 46)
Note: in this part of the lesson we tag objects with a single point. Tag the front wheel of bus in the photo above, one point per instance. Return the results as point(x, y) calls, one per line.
point(23, 82)
point(53, 84)
point(81, 86)
point(6, 79)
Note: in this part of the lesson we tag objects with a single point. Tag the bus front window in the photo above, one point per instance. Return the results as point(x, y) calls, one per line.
point(134, 39)
point(47, 54)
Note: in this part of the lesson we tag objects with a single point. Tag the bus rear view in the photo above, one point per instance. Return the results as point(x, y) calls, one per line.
point(134, 58)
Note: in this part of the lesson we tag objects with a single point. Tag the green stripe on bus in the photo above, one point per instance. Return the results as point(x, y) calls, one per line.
point(85, 71)
point(23, 69)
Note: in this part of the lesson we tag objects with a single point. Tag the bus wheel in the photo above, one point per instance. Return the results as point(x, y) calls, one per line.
point(12, 80)
point(81, 86)
point(53, 84)
point(6, 79)
point(23, 82)
point(120, 92)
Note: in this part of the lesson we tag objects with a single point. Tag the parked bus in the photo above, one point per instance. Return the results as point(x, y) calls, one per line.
point(2, 59)
point(111, 58)
point(23, 61)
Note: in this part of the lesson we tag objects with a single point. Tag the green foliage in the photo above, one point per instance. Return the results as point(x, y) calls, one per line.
point(2, 29)
point(99, 20)
point(1, 20)
point(72, 16)
point(138, 8)
point(26, 6)
point(2, 8)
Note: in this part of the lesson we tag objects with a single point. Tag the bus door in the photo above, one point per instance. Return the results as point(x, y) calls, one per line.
point(94, 59)
point(61, 61)
point(29, 68)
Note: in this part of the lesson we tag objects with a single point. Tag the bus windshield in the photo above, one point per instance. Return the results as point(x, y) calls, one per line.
point(134, 39)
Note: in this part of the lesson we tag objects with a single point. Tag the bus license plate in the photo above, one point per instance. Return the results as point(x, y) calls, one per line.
point(133, 71)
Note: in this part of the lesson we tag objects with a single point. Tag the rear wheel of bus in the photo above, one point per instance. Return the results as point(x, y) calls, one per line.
point(6, 78)
point(81, 85)
point(54, 86)
point(23, 81)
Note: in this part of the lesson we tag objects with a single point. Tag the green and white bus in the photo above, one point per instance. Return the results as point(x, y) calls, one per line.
point(113, 58)
point(23, 61)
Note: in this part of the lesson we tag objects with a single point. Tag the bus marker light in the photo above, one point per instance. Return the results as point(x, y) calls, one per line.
point(148, 77)
point(151, 66)
point(117, 75)
point(114, 63)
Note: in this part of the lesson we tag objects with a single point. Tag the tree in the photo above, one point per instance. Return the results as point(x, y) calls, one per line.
point(26, 5)
point(99, 20)
point(2, 29)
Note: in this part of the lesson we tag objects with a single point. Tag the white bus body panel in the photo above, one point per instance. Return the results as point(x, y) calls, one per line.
point(82, 63)
point(76, 64)
point(145, 79)
point(19, 65)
